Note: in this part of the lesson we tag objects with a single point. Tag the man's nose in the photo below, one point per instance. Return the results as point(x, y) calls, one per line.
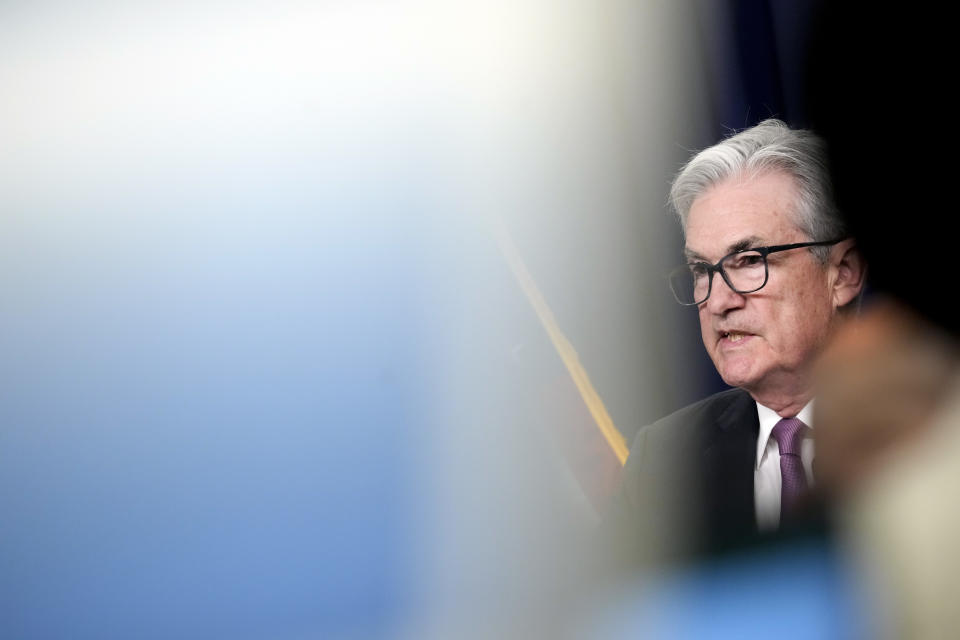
point(723, 298)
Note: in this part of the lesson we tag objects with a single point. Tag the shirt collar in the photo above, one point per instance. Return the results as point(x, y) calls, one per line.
point(769, 419)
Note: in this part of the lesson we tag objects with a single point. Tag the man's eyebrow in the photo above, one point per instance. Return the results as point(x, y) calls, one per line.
point(746, 243)
point(739, 245)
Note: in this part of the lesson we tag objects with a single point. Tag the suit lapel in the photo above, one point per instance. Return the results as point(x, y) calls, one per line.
point(728, 459)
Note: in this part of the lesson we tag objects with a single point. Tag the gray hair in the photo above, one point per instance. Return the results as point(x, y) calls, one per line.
point(769, 146)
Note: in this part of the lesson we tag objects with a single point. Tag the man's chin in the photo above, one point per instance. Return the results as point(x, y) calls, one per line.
point(738, 375)
point(740, 383)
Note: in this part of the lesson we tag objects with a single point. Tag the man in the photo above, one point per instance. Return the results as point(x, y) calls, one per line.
point(769, 268)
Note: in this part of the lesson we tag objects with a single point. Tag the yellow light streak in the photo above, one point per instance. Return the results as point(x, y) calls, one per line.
point(563, 346)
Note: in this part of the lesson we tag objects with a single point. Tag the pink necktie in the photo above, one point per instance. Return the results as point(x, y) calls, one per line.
point(789, 434)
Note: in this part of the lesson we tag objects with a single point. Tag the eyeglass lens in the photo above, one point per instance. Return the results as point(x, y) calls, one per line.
point(745, 272)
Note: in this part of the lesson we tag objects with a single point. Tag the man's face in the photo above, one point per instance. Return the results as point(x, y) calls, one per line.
point(764, 341)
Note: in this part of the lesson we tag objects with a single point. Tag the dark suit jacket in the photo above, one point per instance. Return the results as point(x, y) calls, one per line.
point(689, 480)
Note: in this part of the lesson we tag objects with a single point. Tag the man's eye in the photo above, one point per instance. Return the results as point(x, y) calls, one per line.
point(744, 260)
point(698, 270)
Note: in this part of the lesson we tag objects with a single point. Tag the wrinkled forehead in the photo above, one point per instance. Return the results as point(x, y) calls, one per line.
point(742, 212)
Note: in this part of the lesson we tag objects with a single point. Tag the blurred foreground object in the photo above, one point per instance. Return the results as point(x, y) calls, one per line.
point(890, 459)
point(264, 372)
point(885, 380)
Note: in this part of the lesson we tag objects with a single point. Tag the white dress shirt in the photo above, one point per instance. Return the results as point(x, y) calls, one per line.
point(766, 475)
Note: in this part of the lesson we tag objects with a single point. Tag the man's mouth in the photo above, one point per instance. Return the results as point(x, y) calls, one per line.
point(733, 336)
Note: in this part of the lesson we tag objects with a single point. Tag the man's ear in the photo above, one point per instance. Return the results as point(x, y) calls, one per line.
point(848, 272)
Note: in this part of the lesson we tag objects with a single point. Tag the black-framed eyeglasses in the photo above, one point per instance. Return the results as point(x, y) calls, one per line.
point(744, 271)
